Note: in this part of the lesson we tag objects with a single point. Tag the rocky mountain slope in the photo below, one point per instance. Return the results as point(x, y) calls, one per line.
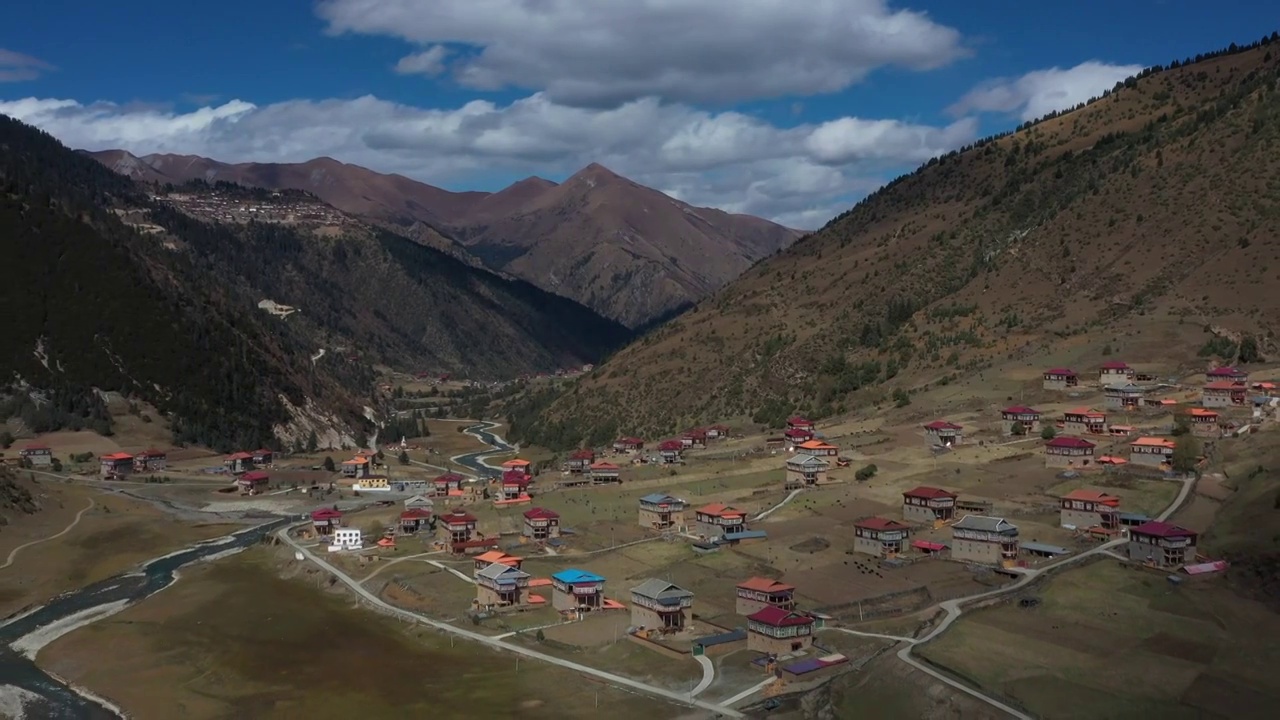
point(119, 290)
point(1157, 199)
point(629, 252)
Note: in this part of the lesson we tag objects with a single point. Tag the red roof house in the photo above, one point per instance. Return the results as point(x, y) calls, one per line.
point(775, 631)
point(926, 504)
point(944, 433)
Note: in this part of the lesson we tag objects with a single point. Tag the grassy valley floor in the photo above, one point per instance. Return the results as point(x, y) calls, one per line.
point(1111, 641)
point(234, 639)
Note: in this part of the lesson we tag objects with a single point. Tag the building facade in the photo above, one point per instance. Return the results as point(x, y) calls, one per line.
point(1114, 372)
point(775, 631)
point(1225, 394)
point(661, 606)
point(758, 593)
point(805, 471)
point(944, 433)
point(928, 505)
point(718, 519)
point(541, 524)
point(576, 590)
point(605, 473)
point(1020, 420)
point(662, 512)
point(458, 525)
point(115, 465)
point(984, 540)
point(1084, 509)
point(1162, 544)
point(346, 538)
point(37, 455)
point(880, 537)
point(1153, 452)
point(501, 585)
point(1204, 423)
point(1060, 379)
point(1126, 397)
point(1068, 452)
point(1082, 421)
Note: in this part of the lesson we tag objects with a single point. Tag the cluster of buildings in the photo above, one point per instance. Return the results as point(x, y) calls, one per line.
point(277, 207)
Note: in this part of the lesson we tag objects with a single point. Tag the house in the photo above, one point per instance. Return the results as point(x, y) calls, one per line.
point(800, 423)
point(576, 590)
point(239, 462)
point(150, 460)
point(253, 482)
point(1230, 374)
point(1203, 423)
point(695, 438)
point(416, 486)
point(941, 432)
point(805, 471)
point(1072, 452)
point(447, 484)
point(775, 631)
point(541, 524)
point(37, 455)
point(818, 448)
point(357, 467)
point(1084, 421)
point(1153, 452)
point(662, 512)
point(1060, 379)
point(520, 464)
point(116, 464)
point(1161, 544)
point(670, 451)
point(515, 484)
point(880, 537)
point(759, 593)
point(1224, 394)
point(984, 540)
point(346, 538)
point(793, 437)
point(414, 519)
point(1114, 372)
point(718, 519)
point(262, 457)
point(1020, 420)
point(374, 482)
point(661, 606)
point(627, 444)
point(928, 505)
point(484, 560)
point(419, 502)
point(458, 525)
point(1084, 509)
point(717, 432)
point(324, 520)
point(603, 473)
point(580, 460)
point(501, 585)
point(1127, 397)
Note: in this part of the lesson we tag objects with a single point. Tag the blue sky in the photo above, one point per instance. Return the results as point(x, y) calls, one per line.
point(750, 105)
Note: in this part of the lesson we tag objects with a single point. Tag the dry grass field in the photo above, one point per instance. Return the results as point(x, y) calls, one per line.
point(116, 534)
point(233, 639)
point(1109, 641)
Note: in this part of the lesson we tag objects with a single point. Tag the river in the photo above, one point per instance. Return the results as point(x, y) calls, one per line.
point(23, 634)
point(475, 461)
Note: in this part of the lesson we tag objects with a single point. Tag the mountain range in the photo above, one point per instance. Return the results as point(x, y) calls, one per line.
point(1155, 200)
point(163, 296)
point(629, 252)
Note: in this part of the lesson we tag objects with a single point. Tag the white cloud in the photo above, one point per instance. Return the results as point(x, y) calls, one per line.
point(1041, 92)
point(17, 67)
point(429, 62)
point(728, 159)
point(606, 52)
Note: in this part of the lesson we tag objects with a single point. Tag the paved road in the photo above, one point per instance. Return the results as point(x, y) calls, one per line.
point(708, 675)
point(496, 644)
point(790, 496)
point(954, 608)
point(14, 552)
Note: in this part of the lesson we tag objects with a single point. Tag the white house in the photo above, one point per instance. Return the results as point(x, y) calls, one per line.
point(346, 538)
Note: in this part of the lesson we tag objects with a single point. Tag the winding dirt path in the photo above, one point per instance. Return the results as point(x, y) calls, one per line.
point(13, 554)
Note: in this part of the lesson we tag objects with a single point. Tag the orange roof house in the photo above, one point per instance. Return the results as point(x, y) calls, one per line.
point(818, 448)
point(757, 593)
point(486, 559)
point(1093, 496)
point(716, 519)
point(516, 464)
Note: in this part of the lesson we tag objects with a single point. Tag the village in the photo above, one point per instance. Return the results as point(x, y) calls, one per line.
point(757, 550)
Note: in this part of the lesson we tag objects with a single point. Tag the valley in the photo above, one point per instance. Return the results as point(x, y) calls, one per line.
point(310, 440)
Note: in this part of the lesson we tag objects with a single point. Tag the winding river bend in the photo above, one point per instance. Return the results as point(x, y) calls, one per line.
point(475, 461)
point(23, 634)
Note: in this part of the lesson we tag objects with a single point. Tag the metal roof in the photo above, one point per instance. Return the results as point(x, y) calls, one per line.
point(660, 590)
point(1044, 548)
